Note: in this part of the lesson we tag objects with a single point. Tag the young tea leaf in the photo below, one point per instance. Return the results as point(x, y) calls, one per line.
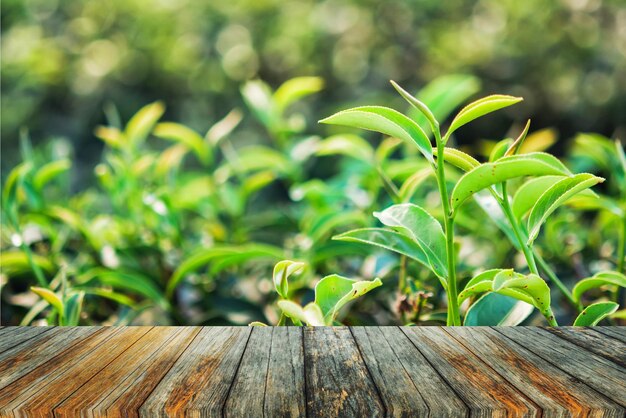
point(480, 108)
point(282, 271)
point(183, 135)
point(444, 94)
point(530, 289)
point(425, 230)
point(49, 171)
point(494, 309)
point(595, 313)
point(529, 192)
point(603, 278)
point(389, 240)
point(52, 298)
point(506, 168)
point(554, 197)
point(519, 141)
point(294, 89)
point(481, 283)
point(141, 124)
point(334, 291)
point(500, 149)
point(434, 124)
point(386, 121)
point(458, 158)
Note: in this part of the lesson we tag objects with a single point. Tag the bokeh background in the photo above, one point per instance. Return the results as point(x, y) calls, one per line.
point(188, 233)
point(63, 61)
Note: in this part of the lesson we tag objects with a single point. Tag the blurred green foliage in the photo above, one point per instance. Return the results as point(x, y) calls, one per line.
point(63, 60)
point(147, 220)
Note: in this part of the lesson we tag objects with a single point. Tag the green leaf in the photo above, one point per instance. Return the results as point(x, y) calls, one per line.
point(410, 185)
point(183, 135)
point(282, 271)
point(500, 149)
point(257, 324)
point(311, 314)
point(334, 291)
point(389, 240)
point(554, 197)
point(531, 289)
point(13, 263)
point(52, 298)
point(205, 256)
point(425, 230)
point(129, 281)
point(386, 121)
point(73, 307)
point(417, 104)
point(49, 171)
point(603, 278)
point(494, 309)
point(345, 144)
point(486, 175)
point(480, 108)
point(113, 137)
point(223, 127)
point(595, 313)
point(140, 125)
point(258, 96)
point(458, 158)
point(529, 192)
point(296, 88)
point(444, 94)
point(519, 141)
point(481, 283)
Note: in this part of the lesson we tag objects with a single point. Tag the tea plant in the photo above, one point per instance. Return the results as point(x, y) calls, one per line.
point(415, 233)
point(332, 293)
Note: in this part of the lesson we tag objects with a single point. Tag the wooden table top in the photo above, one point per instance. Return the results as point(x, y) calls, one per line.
point(325, 372)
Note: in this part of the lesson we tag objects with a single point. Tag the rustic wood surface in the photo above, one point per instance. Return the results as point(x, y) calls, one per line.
point(325, 372)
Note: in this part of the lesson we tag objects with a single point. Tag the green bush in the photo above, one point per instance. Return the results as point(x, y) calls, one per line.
point(185, 228)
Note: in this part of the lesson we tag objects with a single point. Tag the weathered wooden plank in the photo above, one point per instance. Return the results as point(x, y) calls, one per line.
point(13, 336)
point(485, 392)
point(198, 383)
point(618, 333)
point(407, 383)
point(138, 358)
point(397, 391)
point(337, 380)
point(553, 390)
point(596, 342)
point(127, 397)
point(285, 387)
point(21, 359)
point(247, 394)
point(39, 391)
point(601, 374)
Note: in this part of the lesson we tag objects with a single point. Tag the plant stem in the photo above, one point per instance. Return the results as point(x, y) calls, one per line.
point(554, 279)
point(621, 247)
point(402, 275)
point(529, 254)
point(508, 212)
point(454, 318)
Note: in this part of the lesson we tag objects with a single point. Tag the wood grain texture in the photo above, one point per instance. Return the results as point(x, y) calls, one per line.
point(408, 384)
point(595, 371)
point(295, 371)
point(198, 384)
point(13, 336)
point(484, 391)
point(21, 359)
point(337, 380)
point(553, 390)
point(594, 341)
point(619, 333)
